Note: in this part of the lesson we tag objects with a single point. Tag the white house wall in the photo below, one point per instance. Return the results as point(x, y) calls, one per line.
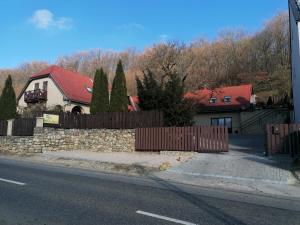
point(54, 96)
point(295, 44)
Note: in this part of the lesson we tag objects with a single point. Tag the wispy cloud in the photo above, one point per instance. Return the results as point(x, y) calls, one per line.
point(129, 27)
point(45, 19)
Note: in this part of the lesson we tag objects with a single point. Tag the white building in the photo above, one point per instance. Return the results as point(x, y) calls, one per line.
point(294, 9)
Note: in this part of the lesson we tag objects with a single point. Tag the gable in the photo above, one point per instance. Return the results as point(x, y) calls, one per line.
point(54, 95)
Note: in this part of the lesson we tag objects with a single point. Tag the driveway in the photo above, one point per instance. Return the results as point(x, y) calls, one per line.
point(249, 143)
point(245, 164)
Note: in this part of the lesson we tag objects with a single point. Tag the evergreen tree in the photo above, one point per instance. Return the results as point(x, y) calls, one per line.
point(8, 103)
point(100, 96)
point(119, 99)
point(177, 110)
point(149, 92)
point(167, 97)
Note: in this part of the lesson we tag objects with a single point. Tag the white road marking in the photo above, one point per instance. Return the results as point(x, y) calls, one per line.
point(12, 182)
point(164, 218)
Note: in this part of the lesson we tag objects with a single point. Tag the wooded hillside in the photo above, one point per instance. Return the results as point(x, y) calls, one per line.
point(235, 57)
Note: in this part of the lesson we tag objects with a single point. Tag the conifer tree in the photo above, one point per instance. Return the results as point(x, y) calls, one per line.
point(119, 99)
point(8, 103)
point(149, 92)
point(167, 97)
point(100, 95)
point(177, 110)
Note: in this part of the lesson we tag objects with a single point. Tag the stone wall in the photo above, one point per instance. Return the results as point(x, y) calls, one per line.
point(50, 139)
point(19, 144)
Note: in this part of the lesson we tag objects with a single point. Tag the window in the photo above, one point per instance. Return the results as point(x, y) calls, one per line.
point(227, 99)
point(223, 121)
point(213, 100)
point(228, 122)
point(45, 85)
point(36, 86)
point(214, 121)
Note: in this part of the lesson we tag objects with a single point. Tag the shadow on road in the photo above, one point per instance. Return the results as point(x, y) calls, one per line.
point(211, 210)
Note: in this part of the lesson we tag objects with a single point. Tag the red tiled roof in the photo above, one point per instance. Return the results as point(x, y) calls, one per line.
point(73, 85)
point(240, 98)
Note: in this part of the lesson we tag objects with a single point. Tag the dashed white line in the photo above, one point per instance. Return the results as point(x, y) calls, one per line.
point(12, 182)
point(164, 218)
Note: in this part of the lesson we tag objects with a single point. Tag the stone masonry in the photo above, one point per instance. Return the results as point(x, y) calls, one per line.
point(14, 144)
point(51, 139)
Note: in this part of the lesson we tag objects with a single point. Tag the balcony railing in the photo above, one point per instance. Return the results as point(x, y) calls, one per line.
point(35, 96)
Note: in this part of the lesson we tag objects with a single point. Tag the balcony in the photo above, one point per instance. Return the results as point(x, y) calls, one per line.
point(35, 96)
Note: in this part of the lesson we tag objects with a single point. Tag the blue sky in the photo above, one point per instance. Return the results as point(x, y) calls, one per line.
point(46, 29)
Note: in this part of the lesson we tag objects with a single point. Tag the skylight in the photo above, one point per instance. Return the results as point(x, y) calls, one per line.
point(227, 99)
point(213, 100)
point(89, 89)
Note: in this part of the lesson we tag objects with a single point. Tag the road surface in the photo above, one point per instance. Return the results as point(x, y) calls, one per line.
point(37, 194)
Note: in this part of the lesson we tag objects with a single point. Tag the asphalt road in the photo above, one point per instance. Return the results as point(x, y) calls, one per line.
point(35, 194)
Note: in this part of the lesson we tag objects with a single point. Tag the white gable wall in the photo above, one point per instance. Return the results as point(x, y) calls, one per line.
point(295, 51)
point(54, 96)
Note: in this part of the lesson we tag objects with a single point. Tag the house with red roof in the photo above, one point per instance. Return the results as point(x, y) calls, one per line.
point(56, 86)
point(222, 106)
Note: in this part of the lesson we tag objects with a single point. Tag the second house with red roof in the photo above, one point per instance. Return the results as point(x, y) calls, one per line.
point(66, 89)
point(225, 106)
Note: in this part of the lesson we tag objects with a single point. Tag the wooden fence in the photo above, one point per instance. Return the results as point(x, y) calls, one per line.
point(3, 127)
point(23, 126)
point(109, 120)
point(199, 139)
point(283, 139)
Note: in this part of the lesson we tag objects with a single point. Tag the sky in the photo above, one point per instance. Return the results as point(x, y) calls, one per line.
point(43, 30)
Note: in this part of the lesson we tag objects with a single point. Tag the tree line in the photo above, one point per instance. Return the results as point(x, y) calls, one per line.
point(166, 96)
point(234, 57)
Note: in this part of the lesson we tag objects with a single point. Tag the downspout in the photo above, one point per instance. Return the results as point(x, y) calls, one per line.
point(290, 58)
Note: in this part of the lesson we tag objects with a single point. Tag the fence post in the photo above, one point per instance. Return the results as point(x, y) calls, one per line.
point(9, 127)
point(39, 122)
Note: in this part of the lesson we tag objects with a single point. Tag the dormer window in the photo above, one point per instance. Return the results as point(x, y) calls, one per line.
point(213, 100)
point(227, 99)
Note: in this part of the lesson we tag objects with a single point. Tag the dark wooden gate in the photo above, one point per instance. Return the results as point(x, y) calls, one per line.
point(3, 127)
point(23, 127)
point(283, 139)
point(199, 139)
